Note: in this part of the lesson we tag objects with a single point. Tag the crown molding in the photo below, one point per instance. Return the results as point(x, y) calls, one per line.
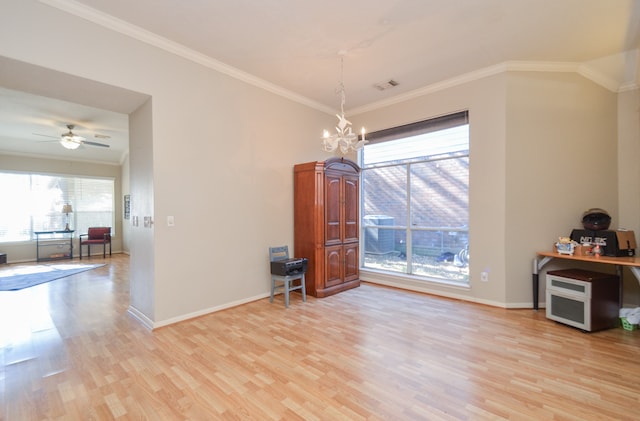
point(34, 155)
point(125, 28)
point(631, 86)
point(107, 21)
point(439, 86)
point(508, 66)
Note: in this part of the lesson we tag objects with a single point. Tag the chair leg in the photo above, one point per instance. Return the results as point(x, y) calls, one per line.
point(286, 293)
point(304, 290)
point(273, 287)
point(104, 250)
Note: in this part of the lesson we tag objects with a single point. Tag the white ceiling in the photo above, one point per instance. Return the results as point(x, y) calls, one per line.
point(292, 47)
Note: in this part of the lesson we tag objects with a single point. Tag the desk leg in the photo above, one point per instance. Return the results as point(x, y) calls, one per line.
point(636, 272)
point(536, 290)
point(619, 270)
point(535, 277)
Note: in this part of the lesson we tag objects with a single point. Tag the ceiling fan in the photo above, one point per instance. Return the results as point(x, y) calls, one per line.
point(71, 140)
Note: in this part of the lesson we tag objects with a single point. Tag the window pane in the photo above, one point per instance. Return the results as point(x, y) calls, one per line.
point(48, 198)
point(93, 204)
point(440, 193)
point(440, 254)
point(385, 194)
point(15, 223)
point(395, 261)
point(37, 200)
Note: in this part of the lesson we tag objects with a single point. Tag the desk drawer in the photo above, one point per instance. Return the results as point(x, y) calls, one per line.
point(569, 286)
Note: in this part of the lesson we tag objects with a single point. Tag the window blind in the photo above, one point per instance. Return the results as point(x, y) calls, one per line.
point(33, 202)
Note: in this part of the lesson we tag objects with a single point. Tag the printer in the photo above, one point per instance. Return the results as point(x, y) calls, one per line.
point(291, 266)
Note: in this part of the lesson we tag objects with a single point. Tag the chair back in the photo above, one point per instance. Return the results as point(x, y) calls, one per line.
point(99, 233)
point(278, 253)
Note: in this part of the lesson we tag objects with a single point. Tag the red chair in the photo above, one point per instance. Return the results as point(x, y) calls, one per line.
point(96, 235)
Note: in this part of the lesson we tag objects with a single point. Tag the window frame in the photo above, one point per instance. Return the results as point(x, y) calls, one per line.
point(407, 228)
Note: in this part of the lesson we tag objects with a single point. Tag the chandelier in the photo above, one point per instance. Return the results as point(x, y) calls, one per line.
point(344, 139)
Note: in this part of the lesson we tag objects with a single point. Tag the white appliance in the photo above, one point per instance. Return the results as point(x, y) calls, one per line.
point(587, 300)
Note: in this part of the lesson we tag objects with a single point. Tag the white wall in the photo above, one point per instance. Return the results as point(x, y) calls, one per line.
point(142, 268)
point(220, 162)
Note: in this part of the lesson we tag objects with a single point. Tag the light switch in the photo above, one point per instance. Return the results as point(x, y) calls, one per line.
point(170, 221)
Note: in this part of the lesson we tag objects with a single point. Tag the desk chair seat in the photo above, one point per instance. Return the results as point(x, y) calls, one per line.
point(286, 283)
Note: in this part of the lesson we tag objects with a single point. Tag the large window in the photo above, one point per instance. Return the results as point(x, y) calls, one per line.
point(34, 202)
point(415, 199)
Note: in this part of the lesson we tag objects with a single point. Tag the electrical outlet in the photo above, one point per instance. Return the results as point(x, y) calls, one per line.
point(484, 276)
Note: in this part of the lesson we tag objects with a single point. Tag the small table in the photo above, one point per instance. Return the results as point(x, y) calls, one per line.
point(51, 241)
point(544, 257)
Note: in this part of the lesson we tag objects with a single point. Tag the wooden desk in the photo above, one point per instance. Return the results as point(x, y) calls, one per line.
point(544, 257)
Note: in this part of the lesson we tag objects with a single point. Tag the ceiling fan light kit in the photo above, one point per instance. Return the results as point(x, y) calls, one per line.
point(72, 141)
point(69, 143)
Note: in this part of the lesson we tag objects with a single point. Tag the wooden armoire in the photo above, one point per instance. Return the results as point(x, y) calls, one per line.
point(326, 224)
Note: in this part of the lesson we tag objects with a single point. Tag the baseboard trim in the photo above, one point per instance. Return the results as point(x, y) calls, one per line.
point(209, 310)
point(146, 322)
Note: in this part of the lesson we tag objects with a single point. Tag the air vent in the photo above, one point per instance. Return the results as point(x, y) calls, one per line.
point(382, 86)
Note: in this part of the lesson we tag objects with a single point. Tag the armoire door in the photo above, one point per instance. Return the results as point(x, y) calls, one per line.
point(333, 209)
point(351, 265)
point(333, 266)
point(350, 202)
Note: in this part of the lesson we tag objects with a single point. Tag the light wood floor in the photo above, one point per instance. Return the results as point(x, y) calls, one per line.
point(69, 350)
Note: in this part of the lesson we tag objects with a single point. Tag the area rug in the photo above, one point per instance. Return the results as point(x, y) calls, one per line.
point(20, 277)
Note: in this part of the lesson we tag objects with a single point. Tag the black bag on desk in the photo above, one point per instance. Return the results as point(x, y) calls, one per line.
point(613, 243)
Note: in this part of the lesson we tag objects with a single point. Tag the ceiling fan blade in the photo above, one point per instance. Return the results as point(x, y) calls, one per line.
point(46, 135)
point(86, 142)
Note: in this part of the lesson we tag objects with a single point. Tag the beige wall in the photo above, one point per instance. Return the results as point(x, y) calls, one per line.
point(217, 155)
point(561, 161)
point(544, 148)
point(26, 251)
point(629, 178)
point(486, 101)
